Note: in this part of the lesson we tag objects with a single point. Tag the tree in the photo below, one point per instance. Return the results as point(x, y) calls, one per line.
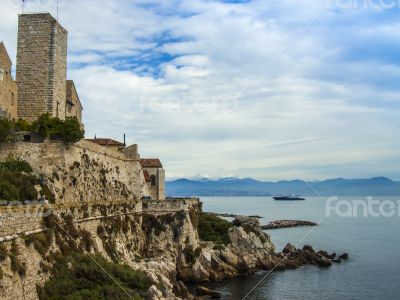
point(71, 130)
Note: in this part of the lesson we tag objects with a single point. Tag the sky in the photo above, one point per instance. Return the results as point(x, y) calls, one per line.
point(278, 89)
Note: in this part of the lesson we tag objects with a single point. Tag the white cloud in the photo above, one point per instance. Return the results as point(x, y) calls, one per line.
point(184, 79)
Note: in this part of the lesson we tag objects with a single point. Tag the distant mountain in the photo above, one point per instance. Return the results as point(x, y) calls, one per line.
point(379, 186)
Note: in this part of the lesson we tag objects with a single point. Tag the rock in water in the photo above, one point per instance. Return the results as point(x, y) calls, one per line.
point(289, 248)
point(203, 291)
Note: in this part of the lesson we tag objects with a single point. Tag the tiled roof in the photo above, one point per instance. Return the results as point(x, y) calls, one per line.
point(106, 142)
point(146, 176)
point(151, 163)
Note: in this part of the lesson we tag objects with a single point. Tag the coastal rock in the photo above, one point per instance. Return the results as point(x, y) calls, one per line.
point(203, 291)
point(344, 256)
point(286, 224)
point(244, 221)
point(293, 258)
point(289, 248)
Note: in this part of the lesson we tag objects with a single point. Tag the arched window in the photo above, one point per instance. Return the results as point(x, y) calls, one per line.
point(153, 180)
point(12, 99)
point(1, 72)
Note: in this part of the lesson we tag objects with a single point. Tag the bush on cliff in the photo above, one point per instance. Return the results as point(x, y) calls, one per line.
point(16, 180)
point(68, 130)
point(78, 276)
point(214, 229)
point(6, 128)
point(15, 164)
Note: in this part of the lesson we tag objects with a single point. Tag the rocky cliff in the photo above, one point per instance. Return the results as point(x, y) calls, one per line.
point(156, 238)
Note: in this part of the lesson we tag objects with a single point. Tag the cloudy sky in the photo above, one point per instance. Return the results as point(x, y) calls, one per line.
point(277, 89)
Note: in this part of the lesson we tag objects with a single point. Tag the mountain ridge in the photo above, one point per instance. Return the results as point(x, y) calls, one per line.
point(376, 186)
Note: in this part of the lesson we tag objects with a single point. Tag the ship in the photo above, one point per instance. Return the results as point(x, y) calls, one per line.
point(288, 198)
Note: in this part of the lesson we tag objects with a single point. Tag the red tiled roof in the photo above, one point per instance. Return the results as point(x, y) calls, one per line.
point(150, 163)
point(146, 176)
point(106, 142)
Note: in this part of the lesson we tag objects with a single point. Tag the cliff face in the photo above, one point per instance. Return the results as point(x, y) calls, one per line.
point(159, 238)
point(82, 172)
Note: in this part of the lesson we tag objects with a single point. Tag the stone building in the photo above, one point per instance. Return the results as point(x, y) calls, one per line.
point(154, 175)
point(41, 66)
point(8, 87)
point(73, 106)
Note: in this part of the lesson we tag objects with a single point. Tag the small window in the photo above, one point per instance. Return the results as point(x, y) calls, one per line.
point(12, 99)
point(153, 180)
point(1, 72)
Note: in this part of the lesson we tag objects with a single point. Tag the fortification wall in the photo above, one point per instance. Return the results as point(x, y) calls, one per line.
point(83, 172)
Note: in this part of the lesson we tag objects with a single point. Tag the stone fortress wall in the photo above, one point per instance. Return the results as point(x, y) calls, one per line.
point(84, 171)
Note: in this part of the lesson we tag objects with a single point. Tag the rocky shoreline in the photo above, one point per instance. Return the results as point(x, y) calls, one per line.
point(250, 249)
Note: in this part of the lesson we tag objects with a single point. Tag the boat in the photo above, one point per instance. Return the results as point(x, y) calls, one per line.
point(288, 198)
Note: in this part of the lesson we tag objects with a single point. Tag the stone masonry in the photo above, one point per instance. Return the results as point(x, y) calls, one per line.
point(8, 87)
point(41, 66)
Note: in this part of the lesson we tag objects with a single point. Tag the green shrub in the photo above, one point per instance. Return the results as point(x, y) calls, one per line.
point(22, 125)
point(214, 229)
point(6, 129)
point(8, 191)
point(15, 164)
point(68, 130)
point(16, 180)
point(189, 255)
point(79, 277)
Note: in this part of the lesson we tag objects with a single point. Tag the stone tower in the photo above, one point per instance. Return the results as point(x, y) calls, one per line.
point(41, 66)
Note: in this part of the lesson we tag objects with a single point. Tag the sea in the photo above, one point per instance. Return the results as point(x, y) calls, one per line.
point(370, 237)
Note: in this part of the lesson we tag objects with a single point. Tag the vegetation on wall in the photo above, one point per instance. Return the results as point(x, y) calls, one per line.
point(214, 229)
point(79, 277)
point(6, 128)
point(17, 181)
point(68, 130)
point(74, 275)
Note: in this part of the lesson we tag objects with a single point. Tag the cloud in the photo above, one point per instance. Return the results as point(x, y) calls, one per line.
point(190, 82)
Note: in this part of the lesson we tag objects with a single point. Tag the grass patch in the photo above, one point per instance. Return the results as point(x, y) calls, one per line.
point(79, 277)
point(214, 229)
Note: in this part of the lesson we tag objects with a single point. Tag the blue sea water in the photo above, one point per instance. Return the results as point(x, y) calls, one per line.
point(373, 243)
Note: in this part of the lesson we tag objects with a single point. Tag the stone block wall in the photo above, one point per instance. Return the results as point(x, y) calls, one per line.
point(83, 172)
point(73, 107)
point(8, 87)
point(41, 66)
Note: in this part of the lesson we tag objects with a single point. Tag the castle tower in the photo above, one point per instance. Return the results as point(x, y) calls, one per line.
point(41, 66)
